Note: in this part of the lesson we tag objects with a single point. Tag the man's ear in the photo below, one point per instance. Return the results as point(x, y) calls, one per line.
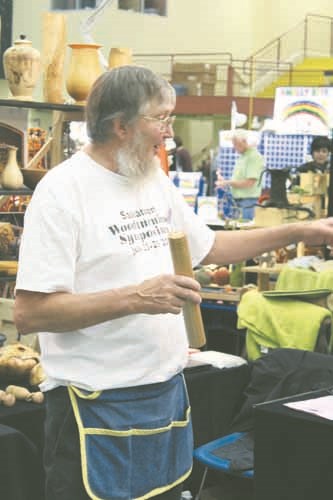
point(120, 128)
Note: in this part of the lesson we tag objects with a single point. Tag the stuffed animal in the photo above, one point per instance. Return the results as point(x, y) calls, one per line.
point(19, 362)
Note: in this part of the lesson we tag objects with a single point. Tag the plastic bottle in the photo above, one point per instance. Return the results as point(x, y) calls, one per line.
point(176, 180)
point(220, 195)
point(202, 186)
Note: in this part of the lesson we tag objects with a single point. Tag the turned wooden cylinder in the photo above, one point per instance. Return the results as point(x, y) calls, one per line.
point(53, 56)
point(183, 265)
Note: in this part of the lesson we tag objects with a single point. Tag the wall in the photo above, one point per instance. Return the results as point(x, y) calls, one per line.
point(283, 16)
point(191, 26)
point(238, 27)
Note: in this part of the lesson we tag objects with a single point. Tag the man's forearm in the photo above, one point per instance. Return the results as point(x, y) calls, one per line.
point(62, 312)
point(235, 246)
point(65, 312)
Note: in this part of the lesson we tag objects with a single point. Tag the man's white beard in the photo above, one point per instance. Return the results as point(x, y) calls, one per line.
point(132, 160)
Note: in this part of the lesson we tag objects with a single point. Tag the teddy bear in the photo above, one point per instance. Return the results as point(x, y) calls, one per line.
point(21, 363)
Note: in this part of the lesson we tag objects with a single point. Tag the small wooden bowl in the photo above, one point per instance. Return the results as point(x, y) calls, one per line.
point(31, 176)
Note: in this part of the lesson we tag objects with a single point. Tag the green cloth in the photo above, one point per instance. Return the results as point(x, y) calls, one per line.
point(279, 322)
point(248, 166)
point(292, 278)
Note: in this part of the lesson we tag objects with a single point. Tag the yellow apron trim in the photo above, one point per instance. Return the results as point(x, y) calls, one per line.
point(82, 432)
point(82, 395)
point(84, 465)
point(159, 491)
point(138, 432)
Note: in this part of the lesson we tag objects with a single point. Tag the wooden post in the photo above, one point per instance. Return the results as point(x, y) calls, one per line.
point(57, 155)
point(300, 252)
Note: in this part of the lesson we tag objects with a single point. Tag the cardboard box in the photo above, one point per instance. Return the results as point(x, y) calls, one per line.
point(208, 89)
point(196, 77)
point(314, 202)
point(193, 88)
point(194, 68)
point(313, 183)
point(266, 217)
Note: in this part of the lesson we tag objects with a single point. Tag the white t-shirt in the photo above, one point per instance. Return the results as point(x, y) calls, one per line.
point(88, 229)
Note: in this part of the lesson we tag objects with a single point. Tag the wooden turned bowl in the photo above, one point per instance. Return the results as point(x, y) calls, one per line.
point(31, 176)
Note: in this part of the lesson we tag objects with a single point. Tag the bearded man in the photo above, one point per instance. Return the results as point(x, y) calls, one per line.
point(96, 281)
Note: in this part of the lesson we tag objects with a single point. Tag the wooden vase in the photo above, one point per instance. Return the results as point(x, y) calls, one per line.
point(84, 69)
point(53, 56)
point(120, 56)
point(22, 68)
point(12, 177)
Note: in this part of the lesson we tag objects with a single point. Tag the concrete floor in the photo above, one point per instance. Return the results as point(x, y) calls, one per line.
point(229, 488)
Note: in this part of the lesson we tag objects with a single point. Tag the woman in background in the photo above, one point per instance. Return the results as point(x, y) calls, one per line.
point(320, 150)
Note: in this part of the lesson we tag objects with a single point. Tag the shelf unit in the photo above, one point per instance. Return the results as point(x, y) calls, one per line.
point(61, 113)
point(15, 192)
point(14, 103)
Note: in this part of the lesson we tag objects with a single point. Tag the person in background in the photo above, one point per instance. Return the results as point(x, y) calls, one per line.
point(96, 280)
point(182, 158)
point(245, 182)
point(321, 147)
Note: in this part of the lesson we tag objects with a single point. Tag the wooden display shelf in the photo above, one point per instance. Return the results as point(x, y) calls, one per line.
point(214, 292)
point(16, 192)
point(14, 103)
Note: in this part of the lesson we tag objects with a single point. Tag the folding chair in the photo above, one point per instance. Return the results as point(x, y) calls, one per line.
point(217, 455)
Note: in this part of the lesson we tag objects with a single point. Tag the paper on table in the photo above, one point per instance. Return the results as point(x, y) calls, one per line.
point(322, 407)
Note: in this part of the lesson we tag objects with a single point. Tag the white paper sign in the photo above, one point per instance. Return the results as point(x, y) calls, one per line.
point(303, 110)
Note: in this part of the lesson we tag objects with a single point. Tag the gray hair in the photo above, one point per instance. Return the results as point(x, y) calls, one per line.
point(123, 92)
point(240, 134)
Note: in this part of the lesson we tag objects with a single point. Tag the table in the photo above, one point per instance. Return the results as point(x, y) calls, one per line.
point(21, 445)
point(293, 453)
point(214, 396)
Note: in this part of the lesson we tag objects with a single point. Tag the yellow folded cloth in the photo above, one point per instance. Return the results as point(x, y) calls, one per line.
point(279, 322)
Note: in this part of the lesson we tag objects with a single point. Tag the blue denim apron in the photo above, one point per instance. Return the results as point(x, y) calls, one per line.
point(136, 442)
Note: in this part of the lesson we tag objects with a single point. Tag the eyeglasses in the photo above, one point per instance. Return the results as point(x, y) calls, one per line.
point(165, 122)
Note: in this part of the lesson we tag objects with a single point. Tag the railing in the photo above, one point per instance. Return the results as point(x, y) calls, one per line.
point(163, 63)
point(246, 77)
point(306, 39)
point(312, 37)
point(233, 76)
